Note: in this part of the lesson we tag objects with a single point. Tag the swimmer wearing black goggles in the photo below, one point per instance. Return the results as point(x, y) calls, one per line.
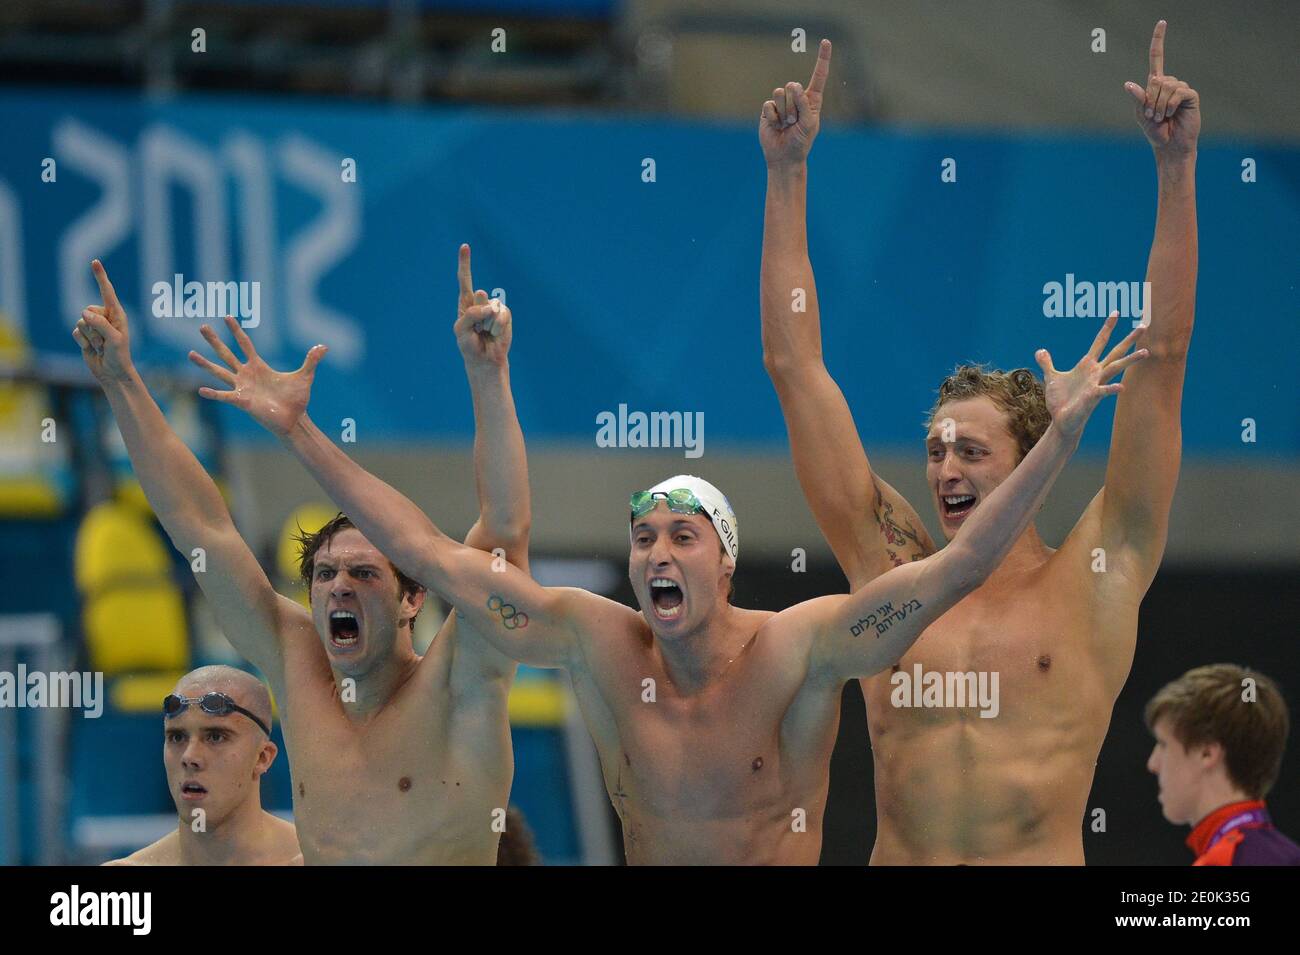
point(214, 704)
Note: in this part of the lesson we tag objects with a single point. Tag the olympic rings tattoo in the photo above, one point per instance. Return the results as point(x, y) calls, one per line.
point(511, 618)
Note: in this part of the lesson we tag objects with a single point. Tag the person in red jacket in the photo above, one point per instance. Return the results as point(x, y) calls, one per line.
point(1220, 734)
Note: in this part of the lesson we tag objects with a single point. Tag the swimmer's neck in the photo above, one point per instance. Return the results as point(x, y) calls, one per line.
point(375, 689)
point(695, 660)
point(241, 838)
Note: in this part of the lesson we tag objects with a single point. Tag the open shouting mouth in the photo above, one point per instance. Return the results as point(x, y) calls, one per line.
point(344, 629)
point(666, 596)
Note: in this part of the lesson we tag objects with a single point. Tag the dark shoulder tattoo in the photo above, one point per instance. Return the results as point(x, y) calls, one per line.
point(903, 542)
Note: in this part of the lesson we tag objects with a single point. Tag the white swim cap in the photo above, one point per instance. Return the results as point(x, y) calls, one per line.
point(716, 507)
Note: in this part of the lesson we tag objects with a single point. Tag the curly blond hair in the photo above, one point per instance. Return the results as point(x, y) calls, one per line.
point(1018, 393)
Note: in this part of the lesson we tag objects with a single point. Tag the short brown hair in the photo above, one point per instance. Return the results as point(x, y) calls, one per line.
point(1205, 705)
point(310, 543)
point(1019, 393)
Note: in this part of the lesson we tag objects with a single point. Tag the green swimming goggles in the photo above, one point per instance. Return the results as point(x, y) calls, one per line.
point(680, 501)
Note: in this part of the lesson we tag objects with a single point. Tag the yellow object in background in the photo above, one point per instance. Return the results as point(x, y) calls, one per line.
point(28, 458)
point(133, 612)
point(306, 518)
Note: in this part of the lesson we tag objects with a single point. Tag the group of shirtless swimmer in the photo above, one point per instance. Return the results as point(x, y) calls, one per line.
point(727, 760)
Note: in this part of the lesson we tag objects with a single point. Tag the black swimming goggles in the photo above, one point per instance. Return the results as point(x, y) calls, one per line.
point(214, 704)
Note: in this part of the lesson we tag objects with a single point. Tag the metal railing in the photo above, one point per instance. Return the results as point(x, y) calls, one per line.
point(39, 636)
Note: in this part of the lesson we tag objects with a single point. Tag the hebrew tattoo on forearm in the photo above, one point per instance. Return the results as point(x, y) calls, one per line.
point(884, 617)
point(511, 618)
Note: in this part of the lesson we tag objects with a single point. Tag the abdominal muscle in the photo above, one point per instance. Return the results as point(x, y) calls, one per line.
point(953, 788)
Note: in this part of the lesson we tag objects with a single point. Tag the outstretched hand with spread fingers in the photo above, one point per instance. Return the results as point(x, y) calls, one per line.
point(1072, 395)
point(277, 400)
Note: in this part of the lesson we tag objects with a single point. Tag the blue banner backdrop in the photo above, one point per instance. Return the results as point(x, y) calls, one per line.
point(626, 291)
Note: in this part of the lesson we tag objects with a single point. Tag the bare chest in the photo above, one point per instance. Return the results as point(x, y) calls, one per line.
point(714, 756)
point(392, 790)
point(1000, 658)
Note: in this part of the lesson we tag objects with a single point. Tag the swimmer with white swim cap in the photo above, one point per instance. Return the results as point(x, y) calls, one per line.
point(714, 724)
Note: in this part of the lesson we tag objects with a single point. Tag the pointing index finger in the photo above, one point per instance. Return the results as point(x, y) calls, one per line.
point(105, 286)
point(463, 273)
point(1156, 60)
point(821, 69)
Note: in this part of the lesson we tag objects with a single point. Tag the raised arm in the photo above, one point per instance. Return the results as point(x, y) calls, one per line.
point(484, 331)
point(866, 631)
point(182, 494)
point(521, 619)
point(869, 526)
point(1146, 442)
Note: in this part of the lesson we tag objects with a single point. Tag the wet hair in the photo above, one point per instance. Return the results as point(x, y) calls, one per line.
point(244, 688)
point(1206, 705)
point(309, 544)
point(1019, 394)
point(516, 846)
